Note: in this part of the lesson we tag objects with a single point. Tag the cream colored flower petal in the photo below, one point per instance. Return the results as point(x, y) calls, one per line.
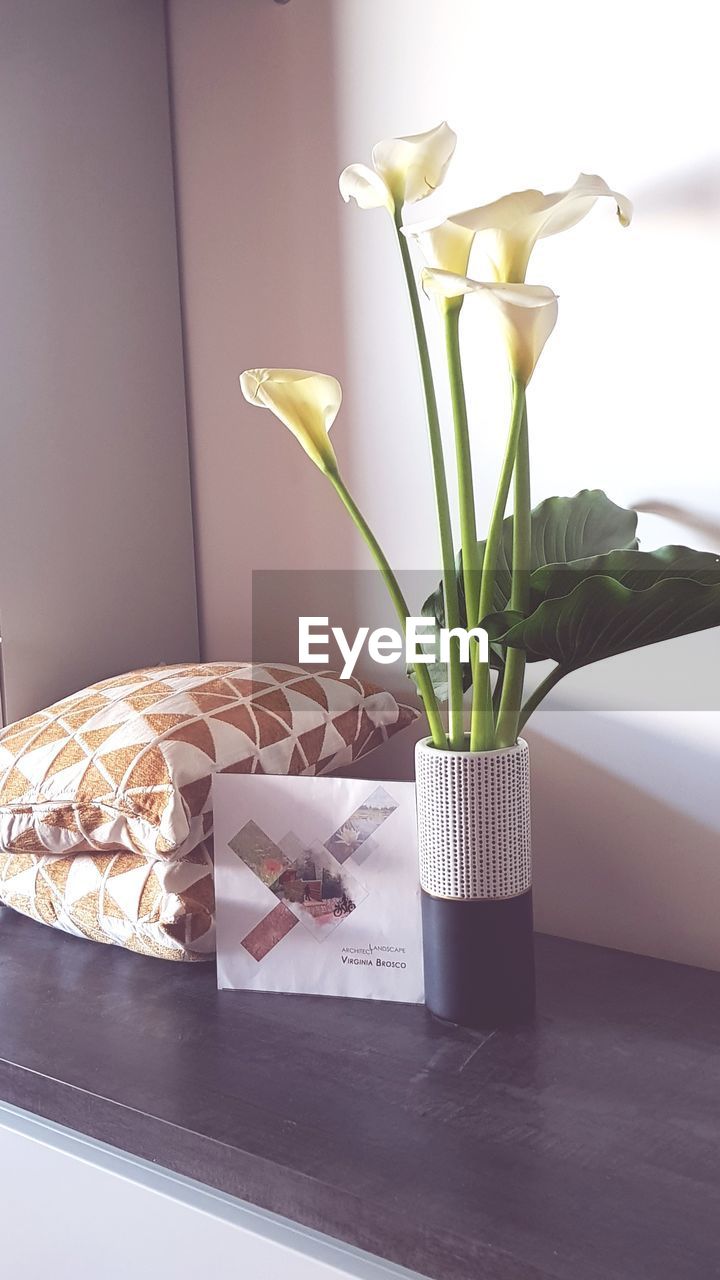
point(503, 214)
point(565, 208)
point(529, 313)
point(447, 284)
point(362, 184)
point(527, 330)
point(504, 231)
point(415, 165)
point(307, 403)
point(510, 226)
point(444, 245)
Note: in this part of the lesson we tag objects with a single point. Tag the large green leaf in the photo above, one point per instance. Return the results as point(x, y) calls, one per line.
point(563, 529)
point(566, 529)
point(597, 608)
point(587, 524)
point(637, 570)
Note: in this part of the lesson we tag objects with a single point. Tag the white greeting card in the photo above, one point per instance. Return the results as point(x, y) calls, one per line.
point(316, 885)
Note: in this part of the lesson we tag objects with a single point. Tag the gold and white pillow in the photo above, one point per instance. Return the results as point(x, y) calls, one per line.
point(153, 906)
point(126, 764)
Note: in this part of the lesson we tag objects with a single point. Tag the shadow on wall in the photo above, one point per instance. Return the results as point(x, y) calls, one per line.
point(616, 864)
point(693, 193)
point(698, 521)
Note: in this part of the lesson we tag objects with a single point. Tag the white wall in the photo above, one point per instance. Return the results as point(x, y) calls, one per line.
point(271, 102)
point(96, 552)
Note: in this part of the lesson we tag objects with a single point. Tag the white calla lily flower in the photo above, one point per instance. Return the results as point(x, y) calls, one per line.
point(509, 227)
point(528, 311)
point(307, 403)
point(404, 170)
point(445, 246)
point(414, 166)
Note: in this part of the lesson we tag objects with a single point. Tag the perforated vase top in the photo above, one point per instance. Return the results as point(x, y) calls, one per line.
point(474, 821)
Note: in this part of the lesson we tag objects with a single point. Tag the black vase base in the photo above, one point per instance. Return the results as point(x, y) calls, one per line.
point(479, 960)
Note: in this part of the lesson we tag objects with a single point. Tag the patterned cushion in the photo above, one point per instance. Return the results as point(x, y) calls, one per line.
point(155, 907)
point(126, 764)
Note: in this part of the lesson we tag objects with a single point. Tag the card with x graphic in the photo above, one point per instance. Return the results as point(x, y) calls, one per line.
point(336, 857)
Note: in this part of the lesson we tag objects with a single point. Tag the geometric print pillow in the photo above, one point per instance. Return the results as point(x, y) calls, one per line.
point(126, 764)
point(155, 907)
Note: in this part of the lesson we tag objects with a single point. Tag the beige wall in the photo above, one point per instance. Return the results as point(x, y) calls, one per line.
point(96, 555)
point(256, 170)
point(271, 101)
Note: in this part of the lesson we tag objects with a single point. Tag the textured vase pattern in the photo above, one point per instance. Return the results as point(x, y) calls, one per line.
point(474, 822)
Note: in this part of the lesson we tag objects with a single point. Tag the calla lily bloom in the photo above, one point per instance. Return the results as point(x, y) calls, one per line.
point(528, 311)
point(307, 403)
point(508, 228)
point(445, 246)
point(404, 170)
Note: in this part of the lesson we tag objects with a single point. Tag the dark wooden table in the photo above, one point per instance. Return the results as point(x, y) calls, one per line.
point(586, 1147)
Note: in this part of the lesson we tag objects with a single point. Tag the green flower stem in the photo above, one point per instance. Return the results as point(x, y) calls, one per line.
point(447, 551)
point(510, 703)
point(481, 722)
point(497, 691)
point(541, 692)
point(495, 531)
point(422, 675)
